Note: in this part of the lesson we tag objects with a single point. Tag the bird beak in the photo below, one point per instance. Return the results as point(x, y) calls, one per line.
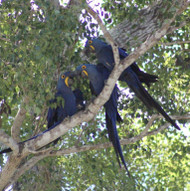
point(92, 47)
point(84, 73)
point(67, 81)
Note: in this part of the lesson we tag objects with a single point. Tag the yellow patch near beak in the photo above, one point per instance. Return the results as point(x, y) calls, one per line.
point(92, 47)
point(67, 81)
point(85, 72)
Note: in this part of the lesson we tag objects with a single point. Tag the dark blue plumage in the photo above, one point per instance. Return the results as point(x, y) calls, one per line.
point(97, 76)
point(132, 75)
point(57, 114)
point(70, 98)
point(104, 55)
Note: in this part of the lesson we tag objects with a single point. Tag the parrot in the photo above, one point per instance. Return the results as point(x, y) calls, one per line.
point(56, 115)
point(97, 74)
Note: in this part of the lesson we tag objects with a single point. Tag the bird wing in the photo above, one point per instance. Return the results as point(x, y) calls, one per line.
point(52, 114)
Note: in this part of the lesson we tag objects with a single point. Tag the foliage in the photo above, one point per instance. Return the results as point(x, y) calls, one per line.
point(37, 44)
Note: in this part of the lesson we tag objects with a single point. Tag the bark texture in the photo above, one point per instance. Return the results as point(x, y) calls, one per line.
point(133, 33)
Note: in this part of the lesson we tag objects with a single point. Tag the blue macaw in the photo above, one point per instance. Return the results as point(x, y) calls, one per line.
point(104, 55)
point(132, 75)
point(72, 99)
point(97, 75)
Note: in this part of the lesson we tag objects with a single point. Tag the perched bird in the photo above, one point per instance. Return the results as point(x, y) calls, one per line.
point(105, 56)
point(132, 75)
point(70, 98)
point(58, 113)
point(97, 76)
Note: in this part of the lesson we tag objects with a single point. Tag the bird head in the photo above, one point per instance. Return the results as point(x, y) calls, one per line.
point(94, 45)
point(65, 80)
point(86, 69)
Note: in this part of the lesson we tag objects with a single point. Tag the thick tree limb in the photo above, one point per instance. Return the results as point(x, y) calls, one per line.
point(9, 170)
point(137, 31)
point(8, 141)
point(28, 165)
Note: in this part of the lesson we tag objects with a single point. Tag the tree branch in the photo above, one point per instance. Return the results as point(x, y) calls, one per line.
point(9, 170)
point(174, 28)
point(152, 39)
point(134, 139)
point(19, 118)
point(176, 117)
point(27, 166)
point(4, 39)
point(175, 42)
point(49, 152)
point(4, 138)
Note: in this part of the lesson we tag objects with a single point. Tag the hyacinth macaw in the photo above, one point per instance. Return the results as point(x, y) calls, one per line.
point(132, 75)
point(97, 75)
point(104, 55)
point(57, 114)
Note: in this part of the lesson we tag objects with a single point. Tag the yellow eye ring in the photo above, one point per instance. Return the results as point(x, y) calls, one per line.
point(62, 76)
point(83, 67)
point(90, 42)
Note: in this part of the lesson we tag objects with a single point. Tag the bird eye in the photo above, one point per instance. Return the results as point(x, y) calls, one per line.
point(62, 76)
point(90, 42)
point(83, 67)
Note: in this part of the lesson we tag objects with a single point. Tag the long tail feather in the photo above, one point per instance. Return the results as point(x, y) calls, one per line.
point(114, 138)
point(136, 86)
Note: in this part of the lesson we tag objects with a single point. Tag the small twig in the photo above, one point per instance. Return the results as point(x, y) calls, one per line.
point(175, 42)
point(5, 39)
point(149, 124)
point(176, 117)
point(79, 137)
